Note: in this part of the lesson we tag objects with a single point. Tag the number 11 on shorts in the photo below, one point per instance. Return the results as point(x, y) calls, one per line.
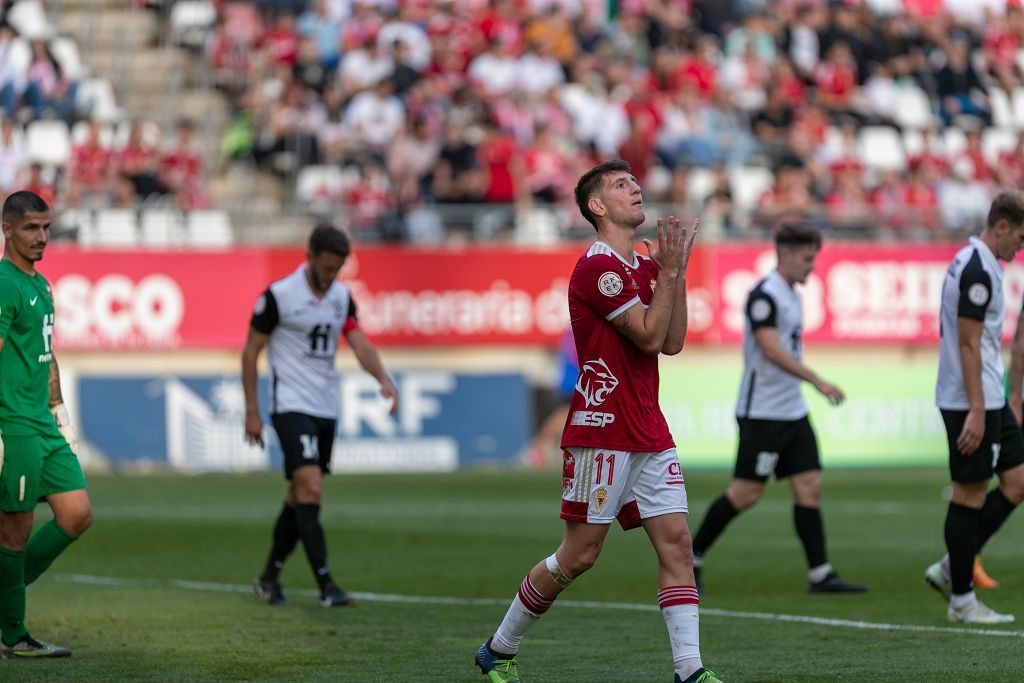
point(601, 459)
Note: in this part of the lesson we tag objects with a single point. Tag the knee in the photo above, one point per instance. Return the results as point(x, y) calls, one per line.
point(743, 498)
point(75, 522)
point(580, 562)
point(308, 492)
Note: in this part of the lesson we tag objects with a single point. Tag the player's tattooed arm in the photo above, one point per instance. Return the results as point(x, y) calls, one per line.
point(55, 396)
point(628, 327)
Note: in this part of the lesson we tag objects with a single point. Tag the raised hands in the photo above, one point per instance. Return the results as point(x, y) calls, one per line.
point(674, 244)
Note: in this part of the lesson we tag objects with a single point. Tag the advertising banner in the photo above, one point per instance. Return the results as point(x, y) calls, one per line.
point(195, 423)
point(889, 417)
point(142, 300)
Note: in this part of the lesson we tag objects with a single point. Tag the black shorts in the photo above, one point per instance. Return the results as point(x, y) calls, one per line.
point(1002, 446)
point(782, 447)
point(305, 440)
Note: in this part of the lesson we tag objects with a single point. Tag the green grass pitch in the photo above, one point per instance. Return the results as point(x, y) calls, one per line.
point(157, 590)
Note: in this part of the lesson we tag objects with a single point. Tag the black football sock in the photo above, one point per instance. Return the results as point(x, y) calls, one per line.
point(312, 535)
point(811, 531)
point(993, 513)
point(961, 543)
point(286, 535)
point(717, 518)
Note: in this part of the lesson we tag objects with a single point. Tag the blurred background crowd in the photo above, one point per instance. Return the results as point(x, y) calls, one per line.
point(431, 121)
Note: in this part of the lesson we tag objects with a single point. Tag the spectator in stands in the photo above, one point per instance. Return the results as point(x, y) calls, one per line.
point(373, 119)
point(404, 75)
point(12, 75)
point(921, 202)
point(90, 169)
point(802, 41)
point(930, 160)
point(771, 125)
point(501, 163)
point(457, 177)
point(960, 90)
point(981, 171)
point(138, 162)
point(48, 88)
point(963, 200)
point(411, 159)
point(35, 182)
point(848, 206)
point(836, 81)
point(181, 167)
point(546, 169)
point(495, 73)
point(404, 28)
point(12, 157)
point(363, 68)
point(369, 199)
point(1002, 43)
point(1010, 168)
point(324, 29)
point(790, 198)
point(281, 41)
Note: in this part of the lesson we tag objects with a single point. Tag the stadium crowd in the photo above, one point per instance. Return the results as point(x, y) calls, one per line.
point(849, 114)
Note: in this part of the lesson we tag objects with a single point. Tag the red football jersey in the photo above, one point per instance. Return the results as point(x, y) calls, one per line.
point(615, 403)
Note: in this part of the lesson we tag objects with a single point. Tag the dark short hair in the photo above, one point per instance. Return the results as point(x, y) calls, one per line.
point(797, 235)
point(590, 182)
point(19, 203)
point(1008, 205)
point(327, 237)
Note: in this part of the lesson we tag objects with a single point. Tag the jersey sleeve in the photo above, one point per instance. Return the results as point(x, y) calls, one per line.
point(975, 290)
point(351, 319)
point(761, 310)
point(264, 314)
point(8, 307)
point(599, 282)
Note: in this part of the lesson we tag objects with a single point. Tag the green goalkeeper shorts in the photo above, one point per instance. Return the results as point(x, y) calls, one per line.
point(34, 466)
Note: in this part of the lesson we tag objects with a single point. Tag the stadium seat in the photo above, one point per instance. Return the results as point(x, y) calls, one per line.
point(95, 98)
point(162, 227)
point(994, 141)
point(209, 228)
point(1018, 108)
point(115, 228)
point(747, 184)
point(700, 182)
point(956, 141)
point(20, 56)
point(536, 227)
point(77, 222)
point(29, 19)
point(913, 108)
point(65, 51)
point(881, 148)
point(48, 142)
point(1002, 107)
point(318, 184)
point(80, 133)
point(192, 21)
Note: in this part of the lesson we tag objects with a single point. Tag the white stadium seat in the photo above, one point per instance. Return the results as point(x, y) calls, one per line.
point(319, 184)
point(65, 51)
point(80, 133)
point(115, 228)
point(956, 141)
point(95, 98)
point(29, 19)
point(747, 184)
point(1018, 108)
point(48, 142)
point(881, 148)
point(1002, 107)
point(700, 183)
point(162, 227)
point(913, 108)
point(192, 21)
point(209, 228)
point(995, 141)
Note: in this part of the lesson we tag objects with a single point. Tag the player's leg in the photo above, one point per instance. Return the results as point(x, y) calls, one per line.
point(1002, 500)
point(970, 475)
point(592, 483)
point(308, 515)
point(289, 428)
point(22, 458)
point(62, 483)
point(661, 505)
point(756, 457)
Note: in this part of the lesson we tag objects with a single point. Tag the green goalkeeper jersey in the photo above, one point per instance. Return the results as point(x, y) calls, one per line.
point(26, 326)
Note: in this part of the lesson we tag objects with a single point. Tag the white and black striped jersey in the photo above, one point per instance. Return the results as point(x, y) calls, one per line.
point(304, 333)
point(972, 288)
point(768, 392)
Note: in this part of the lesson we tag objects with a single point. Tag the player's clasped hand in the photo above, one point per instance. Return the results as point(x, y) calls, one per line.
point(972, 433)
point(674, 243)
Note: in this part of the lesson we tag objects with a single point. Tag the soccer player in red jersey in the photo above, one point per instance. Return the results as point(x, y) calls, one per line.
point(620, 460)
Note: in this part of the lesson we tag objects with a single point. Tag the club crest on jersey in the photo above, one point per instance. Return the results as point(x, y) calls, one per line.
point(610, 283)
point(978, 294)
point(595, 382)
point(601, 498)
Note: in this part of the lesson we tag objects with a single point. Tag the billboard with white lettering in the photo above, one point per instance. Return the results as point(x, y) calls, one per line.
point(195, 423)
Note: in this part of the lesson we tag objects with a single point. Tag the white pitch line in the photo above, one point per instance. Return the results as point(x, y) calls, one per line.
point(119, 582)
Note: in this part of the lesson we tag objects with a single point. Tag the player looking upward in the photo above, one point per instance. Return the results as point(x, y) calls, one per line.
point(299, 319)
point(620, 460)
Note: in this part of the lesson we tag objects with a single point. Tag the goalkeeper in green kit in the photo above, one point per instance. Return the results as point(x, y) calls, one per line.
point(37, 441)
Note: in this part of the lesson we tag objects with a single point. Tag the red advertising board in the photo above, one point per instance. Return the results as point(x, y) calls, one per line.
point(480, 295)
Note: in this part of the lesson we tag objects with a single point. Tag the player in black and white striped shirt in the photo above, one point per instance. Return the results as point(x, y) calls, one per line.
point(299, 318)
point(776, 436)
point(983, 435)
